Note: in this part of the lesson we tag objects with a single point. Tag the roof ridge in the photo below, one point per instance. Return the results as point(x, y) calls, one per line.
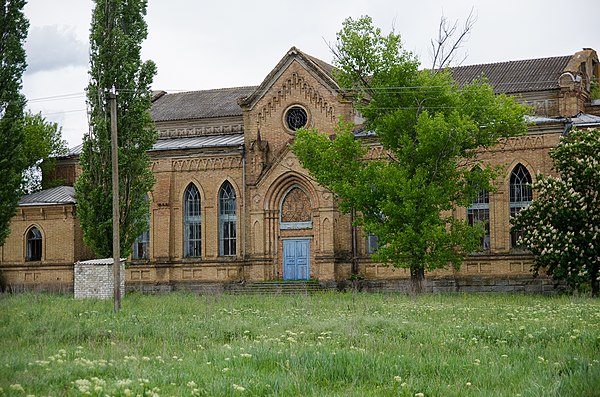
point(511, 61)
point(212, 89)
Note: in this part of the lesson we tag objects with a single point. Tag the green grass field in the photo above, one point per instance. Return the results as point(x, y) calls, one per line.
point(330, 344)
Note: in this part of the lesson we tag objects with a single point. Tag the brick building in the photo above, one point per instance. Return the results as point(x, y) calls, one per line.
point(232, 204)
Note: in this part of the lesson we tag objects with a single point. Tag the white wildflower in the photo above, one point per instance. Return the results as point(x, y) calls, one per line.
point(238, 388)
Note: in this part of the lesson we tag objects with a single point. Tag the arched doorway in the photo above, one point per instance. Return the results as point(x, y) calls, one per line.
point(296, 225)
point(292, 227)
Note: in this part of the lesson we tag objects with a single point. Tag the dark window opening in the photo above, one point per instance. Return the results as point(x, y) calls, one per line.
point(34, 245)
point(192, 223)
point(227, 220)
point(521, 196)
point(479, 212)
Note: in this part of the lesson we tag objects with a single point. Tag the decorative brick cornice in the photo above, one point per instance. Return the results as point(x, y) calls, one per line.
point(206, 164)
point(180, 132)
point(294, 84)
point(520, 143)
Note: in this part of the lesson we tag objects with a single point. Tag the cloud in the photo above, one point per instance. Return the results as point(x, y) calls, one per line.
point(53, 48)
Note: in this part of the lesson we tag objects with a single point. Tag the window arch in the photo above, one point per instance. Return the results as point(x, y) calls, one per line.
point(296, 210)
point(521, 196)
point(227, 220)
point(479, 212)
point(142, 242)
point(192, 222)
point(33, 245)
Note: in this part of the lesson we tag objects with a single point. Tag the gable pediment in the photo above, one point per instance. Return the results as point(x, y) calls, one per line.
point(319, 70)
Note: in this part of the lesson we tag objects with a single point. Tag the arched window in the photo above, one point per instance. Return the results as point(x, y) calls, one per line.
point(520, 196)
point(142, 242)
point(34, 245)
point(192, 222)
point(479, 212)
point(227, 220)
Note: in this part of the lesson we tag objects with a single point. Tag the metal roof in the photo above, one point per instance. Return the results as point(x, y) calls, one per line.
point(195, 142)
point(538, 120)
point(585, 120)
point(199, 142)
point(516, 76)
point(582, 119)
point(220, 102)
point(75, 151)
point(363, 132)
point(57, 195)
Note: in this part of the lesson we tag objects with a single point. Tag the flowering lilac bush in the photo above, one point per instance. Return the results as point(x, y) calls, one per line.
point(562, 226)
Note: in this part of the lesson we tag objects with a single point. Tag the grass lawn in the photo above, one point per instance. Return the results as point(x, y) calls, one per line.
point(330, 344)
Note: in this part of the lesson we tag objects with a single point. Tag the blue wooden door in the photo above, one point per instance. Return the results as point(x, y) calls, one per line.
point(296, 259)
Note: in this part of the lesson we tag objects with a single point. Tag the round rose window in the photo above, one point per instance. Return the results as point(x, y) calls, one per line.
point(296, 118)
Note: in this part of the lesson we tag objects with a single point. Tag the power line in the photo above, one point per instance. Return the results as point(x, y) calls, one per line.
point(391, 89)
point(58, 97)
point(64, 111)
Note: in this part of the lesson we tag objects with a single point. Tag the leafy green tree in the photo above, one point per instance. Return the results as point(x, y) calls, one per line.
point(431, 130)
point(118, 29)
point(13, 31)
point(42, 142)
point(562, 226)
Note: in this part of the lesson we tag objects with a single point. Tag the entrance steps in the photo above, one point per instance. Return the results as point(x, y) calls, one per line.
point(275, 288)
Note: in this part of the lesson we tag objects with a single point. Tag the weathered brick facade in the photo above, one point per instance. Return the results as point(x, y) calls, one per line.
point(61, 246)
point(239, 137)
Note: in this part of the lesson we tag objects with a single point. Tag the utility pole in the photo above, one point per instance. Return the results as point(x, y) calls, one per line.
point(112, 96)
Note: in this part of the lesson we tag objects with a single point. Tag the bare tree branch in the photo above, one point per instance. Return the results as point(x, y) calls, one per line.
point(449, 40)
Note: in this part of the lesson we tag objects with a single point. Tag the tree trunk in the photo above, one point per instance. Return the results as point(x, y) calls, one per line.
point(417, 275)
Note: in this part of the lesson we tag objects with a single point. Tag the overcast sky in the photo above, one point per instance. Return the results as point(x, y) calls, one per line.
point(201, 45)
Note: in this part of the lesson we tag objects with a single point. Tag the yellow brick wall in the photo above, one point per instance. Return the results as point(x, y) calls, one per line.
point(173, 175)
point(261, 174)
point(295, 86)
point(532, 151)
point(62, 245)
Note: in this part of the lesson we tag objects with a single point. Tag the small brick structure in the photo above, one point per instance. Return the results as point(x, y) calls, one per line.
point(94, 279)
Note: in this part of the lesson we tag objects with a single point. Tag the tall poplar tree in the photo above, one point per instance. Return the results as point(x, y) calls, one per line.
point(13, 31)
point(118, 29)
